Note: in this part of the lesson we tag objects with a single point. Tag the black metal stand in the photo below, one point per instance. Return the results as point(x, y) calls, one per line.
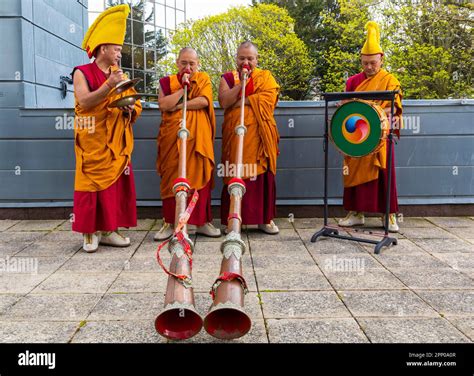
point(333, 232)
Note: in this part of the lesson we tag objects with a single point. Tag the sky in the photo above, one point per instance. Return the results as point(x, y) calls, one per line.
point(201, 8)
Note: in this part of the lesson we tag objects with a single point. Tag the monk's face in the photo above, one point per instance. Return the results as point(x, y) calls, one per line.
point(187, 60)
point(371, 64)
point(247, 55)
point(111, 53)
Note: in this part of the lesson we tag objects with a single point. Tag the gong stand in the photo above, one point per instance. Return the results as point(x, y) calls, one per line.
point(333, 231)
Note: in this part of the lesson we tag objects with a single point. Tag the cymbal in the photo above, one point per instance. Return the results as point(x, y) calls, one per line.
point(125, 101)
point(122, 86)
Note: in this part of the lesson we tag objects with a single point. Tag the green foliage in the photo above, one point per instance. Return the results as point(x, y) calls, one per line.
point(269, 27)
point(430, 48)
point(427, 43)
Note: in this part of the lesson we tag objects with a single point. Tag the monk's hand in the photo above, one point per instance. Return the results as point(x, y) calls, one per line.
point(245, 71)
point(185, 79)
point(115, 77)
point(128, 108)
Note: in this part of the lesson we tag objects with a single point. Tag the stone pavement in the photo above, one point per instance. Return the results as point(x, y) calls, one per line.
point(421, 290)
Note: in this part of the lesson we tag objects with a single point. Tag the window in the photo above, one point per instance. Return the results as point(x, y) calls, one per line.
point(145, 44)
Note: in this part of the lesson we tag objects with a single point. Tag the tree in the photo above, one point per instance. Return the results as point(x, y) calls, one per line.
point(430, 47)
point(269, 27)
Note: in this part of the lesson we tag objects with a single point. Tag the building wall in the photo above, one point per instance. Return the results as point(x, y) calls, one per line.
point(42, 42)
point(435, 164)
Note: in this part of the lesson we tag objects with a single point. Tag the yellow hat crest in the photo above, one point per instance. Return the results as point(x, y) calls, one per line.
point(108, 28)
point(372, 43)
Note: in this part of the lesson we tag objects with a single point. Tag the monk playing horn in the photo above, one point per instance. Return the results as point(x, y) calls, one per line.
point(201, 123)
point(260, 148)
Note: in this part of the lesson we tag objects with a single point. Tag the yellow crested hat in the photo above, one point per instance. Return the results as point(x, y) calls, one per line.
point(372, 43)
point(108, 28)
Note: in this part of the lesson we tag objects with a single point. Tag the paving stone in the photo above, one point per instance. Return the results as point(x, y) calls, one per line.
point(411, 222)
point(403, 247)
point(456, 260)
point(379, 303)
point(328, 245)
point(30, 265)
point(342, 330)
point(452, 221)
point(283, 260)
point(37, 332)
point(285, 234)
point(67, 282)
point(93, 264)
point(411, 330)
point(450, 303)
point(466, 233)
point(310, 223)
point(285, 223)
point(20, 239)
point(465, 325)
point(5, 224)
point(130, 282)
point(346, 262)
point(50, 249)
point(64, 307)
point(142, 225)
point(304, 278)
point(19, 283)
point(426, 233)
point(445, 245)
point(64, 237)
point(271, 247)
point(6, 301)
point(132, 306)
point(404, 260)
point(431, 279)
point(35, 225)
point(364, 279)
point(302, 304)
point(136, 331)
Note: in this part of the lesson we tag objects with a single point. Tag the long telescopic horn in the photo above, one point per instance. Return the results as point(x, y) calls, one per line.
point(226, 318)
point(179, 318)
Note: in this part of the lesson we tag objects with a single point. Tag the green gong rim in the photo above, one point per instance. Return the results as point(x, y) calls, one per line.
point(337, 123)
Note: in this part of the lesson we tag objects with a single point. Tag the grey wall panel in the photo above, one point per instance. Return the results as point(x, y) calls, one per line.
point(11, 51)
point(429, 165)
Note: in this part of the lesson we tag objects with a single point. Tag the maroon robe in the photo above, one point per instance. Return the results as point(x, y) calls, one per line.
point(114, 206)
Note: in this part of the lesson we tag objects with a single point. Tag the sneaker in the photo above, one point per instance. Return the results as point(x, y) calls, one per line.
point(208, 230)
point(392, 223)
point(164, 232)
point(270, 228)
point(91, 242)
point(114, 239)
point(352, 219)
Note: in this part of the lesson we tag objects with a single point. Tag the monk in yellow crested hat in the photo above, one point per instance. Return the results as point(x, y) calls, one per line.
point(372, 43)
point(108, 28)
point(104, 186)
point(365, 183)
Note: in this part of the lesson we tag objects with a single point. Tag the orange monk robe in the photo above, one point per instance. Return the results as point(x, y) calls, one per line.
point(200, 144)
point(103, 143)
point(365, 169)
point(262, 137)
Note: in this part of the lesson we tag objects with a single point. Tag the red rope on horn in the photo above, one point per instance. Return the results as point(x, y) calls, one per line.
point(228, 276)
point(185, 280)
